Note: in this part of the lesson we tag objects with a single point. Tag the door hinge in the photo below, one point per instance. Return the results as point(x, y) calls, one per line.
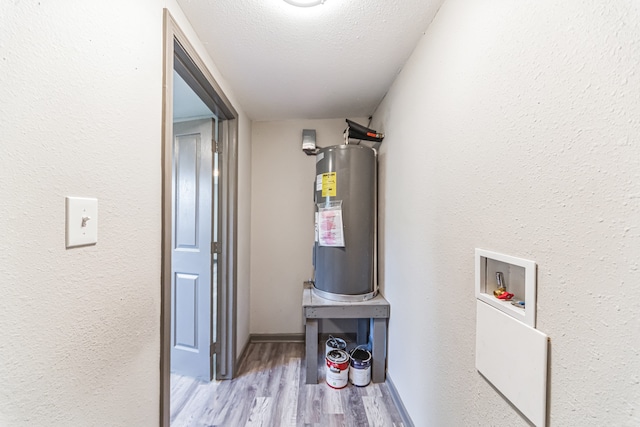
point(216, 248)
point(215, 147)
point(213, 348)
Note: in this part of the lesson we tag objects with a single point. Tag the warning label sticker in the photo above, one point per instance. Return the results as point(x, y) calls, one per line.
point(329, 184)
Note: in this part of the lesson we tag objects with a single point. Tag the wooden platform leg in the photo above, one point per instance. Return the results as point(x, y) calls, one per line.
point(311, 350)
point(363, 331)
point(379, 348)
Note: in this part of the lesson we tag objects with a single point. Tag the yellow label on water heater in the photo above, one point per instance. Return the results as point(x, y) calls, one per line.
point(329, 184)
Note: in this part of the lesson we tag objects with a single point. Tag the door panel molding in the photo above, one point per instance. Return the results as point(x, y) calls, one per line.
point(186, 323)
point(187, 151)
point(180, 55)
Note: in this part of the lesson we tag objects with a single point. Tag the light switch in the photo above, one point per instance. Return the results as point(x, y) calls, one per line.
point(82, 221)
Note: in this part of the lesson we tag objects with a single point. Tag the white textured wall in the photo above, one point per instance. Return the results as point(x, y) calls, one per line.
point(282, 219)
point(81, 91)
point(80, 115)
point(515, 127)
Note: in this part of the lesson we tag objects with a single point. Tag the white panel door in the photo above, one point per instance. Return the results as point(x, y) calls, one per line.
point(191, 282)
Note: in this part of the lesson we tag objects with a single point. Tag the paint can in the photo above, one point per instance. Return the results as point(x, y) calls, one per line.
point(334, 343)
point(360, 371)
point(337, 373)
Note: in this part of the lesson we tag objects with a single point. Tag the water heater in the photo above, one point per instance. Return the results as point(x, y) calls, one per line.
point(345, 203)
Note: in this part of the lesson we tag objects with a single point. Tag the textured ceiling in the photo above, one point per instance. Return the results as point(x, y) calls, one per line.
point(334, 60)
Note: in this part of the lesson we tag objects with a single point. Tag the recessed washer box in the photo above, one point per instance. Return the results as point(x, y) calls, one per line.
point(519, 278)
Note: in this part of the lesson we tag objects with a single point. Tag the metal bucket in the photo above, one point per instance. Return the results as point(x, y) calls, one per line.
point(360, 371)
point(337, 373)
point(334, 343)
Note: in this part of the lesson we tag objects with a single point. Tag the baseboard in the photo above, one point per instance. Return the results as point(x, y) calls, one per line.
point(242, 357)
point(276, 337)
point(406, 419)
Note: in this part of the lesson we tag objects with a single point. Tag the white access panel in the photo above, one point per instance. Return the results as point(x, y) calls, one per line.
point(513, 357)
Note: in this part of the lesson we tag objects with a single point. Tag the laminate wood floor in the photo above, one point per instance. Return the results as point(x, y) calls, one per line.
point(270, 390)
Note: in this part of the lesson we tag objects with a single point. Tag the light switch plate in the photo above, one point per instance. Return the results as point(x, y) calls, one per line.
point(81, 221)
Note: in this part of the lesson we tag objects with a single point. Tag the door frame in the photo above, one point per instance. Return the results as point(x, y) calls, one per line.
point(179, 54)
